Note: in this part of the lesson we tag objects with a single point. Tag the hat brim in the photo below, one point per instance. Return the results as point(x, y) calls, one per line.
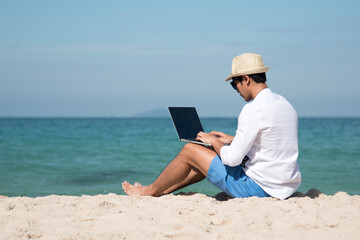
point(248, 72)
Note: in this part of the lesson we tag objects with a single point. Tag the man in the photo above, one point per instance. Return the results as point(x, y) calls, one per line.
point(260, 160)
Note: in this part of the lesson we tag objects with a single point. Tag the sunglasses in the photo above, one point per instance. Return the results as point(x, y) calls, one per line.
point(233, 84)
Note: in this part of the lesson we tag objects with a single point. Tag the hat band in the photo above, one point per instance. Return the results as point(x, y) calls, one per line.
point(248, 72)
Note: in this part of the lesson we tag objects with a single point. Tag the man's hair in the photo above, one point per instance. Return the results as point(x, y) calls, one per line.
point(258, 78)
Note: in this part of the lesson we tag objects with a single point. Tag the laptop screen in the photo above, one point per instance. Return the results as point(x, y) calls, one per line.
point(186, 121)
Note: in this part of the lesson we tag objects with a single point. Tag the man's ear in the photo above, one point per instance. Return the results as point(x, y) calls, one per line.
point(246, 80)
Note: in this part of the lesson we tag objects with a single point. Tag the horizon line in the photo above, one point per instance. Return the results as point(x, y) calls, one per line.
point(104, 116)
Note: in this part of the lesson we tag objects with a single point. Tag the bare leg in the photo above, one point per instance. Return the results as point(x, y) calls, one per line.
point(191, 156)
point(193, 177)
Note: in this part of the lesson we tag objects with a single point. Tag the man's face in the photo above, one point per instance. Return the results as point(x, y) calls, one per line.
point(243, 90)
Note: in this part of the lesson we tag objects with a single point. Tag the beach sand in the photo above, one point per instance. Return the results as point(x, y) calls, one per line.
point(183, 216)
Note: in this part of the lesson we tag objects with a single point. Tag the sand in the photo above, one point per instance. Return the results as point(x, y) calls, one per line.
point(191, 216)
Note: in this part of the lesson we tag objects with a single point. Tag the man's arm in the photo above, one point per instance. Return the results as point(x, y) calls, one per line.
point(246, 133)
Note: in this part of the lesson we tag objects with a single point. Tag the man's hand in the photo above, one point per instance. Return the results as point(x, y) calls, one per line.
point(223, 137)
point(211, 138)
point(206, 137)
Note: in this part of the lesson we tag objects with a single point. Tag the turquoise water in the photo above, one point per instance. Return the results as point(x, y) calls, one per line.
point(75, 156)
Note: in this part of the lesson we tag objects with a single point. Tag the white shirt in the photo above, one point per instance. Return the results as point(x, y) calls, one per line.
point(268, 134)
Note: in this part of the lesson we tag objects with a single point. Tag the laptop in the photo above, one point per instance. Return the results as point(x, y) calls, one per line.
point(187, 124)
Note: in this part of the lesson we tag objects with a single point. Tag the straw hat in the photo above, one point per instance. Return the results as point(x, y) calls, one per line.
point(246, 64)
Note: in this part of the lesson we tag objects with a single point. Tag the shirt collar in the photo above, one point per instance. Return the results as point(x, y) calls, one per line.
point(263, 92)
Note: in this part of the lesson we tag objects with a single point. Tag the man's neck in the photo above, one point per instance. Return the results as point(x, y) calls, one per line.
point(258, 88)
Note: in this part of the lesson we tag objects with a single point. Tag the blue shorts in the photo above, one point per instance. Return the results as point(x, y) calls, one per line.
point(233, 180)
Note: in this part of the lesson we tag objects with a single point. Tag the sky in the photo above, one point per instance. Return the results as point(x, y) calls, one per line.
point(124, 58)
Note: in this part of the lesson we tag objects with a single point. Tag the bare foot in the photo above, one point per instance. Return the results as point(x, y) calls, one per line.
point(136, 190)
point(136, 184)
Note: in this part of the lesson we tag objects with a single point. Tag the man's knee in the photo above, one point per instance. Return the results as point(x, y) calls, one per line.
point(192, 151)
point(189, 148)
point(198, 156)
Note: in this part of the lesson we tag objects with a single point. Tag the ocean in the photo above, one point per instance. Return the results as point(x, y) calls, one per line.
point(76, 156)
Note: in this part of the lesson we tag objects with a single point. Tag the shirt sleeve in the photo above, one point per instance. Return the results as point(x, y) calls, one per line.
point(246, 133)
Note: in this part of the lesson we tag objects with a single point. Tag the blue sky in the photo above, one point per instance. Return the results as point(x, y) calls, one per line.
point(121, 58)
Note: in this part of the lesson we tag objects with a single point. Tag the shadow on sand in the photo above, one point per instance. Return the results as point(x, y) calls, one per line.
point(312, 193)
point(222, 196)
